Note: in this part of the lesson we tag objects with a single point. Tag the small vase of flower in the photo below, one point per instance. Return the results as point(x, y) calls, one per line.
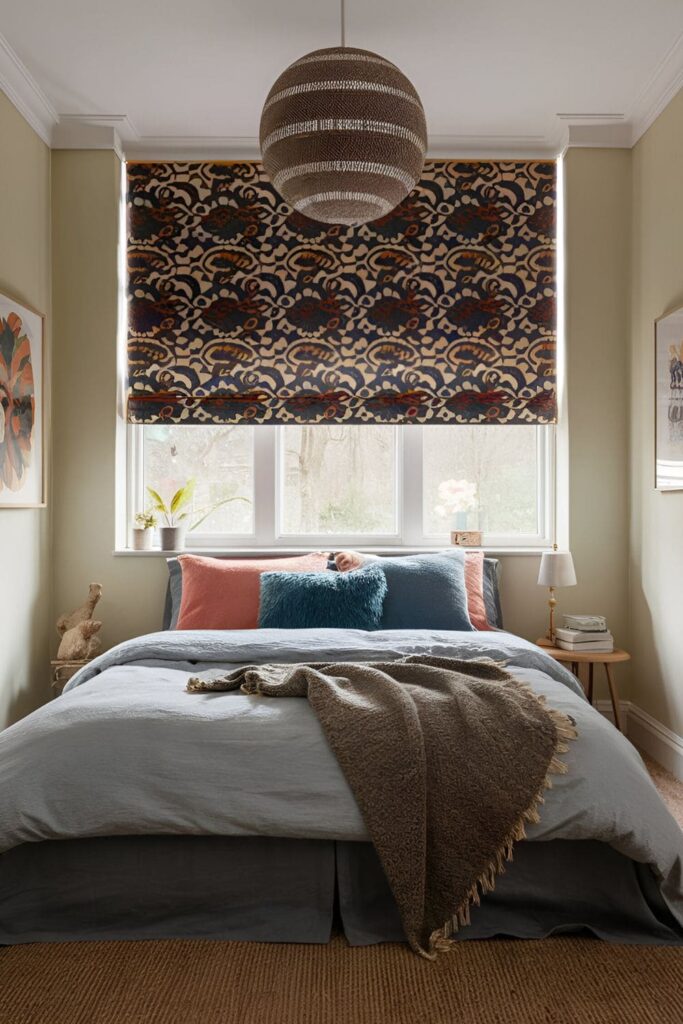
point(457, 499)
point(143, 531)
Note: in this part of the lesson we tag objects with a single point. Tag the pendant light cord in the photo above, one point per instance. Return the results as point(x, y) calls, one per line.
point(342, 12)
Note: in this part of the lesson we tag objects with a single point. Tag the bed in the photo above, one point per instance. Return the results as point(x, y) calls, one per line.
point(130, 809)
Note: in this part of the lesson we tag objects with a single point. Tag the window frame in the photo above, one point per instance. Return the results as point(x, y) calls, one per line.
point(268, 537)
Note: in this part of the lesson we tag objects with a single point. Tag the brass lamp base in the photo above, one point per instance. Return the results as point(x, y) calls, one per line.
point(550, 635)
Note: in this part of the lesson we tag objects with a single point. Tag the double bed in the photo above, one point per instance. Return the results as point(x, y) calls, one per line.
point(132, 809)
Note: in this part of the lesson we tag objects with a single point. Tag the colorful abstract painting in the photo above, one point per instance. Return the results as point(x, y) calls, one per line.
point(21, 415)
point(669, 402)
point(443, 311)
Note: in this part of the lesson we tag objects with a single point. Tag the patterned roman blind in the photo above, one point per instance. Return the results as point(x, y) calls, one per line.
point(241, 310)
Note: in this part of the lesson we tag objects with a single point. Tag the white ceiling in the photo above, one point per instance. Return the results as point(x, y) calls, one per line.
point(172, 75)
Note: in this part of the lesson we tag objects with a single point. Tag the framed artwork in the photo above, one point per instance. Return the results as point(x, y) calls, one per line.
point(669, 402)
point(22, 405)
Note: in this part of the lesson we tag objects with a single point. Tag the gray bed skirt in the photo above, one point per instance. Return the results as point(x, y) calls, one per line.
point(286, 890)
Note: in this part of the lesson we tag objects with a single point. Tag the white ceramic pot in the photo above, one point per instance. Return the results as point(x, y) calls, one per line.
point(142, 539)
point(172, 538)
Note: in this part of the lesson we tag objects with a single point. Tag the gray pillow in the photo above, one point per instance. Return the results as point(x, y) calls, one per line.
point(492, 573)
point(174, 593)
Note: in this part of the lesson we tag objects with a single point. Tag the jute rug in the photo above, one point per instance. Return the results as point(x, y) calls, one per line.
point(558, 981)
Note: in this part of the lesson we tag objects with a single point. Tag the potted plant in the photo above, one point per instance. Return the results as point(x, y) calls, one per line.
point(176, 515)
point(142, 531)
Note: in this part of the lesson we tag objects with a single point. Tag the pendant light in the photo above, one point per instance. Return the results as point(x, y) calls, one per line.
point(343, 135)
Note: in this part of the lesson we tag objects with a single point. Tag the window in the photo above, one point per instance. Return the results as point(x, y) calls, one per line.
point(364, 485)
point(481, 478)
point(338, 480)
point(219, 459)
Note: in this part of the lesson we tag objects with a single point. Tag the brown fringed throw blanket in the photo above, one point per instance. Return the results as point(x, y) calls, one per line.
point(447, 760)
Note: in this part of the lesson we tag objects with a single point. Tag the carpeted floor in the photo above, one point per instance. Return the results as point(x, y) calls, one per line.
point(558, 981)
point(669, 787)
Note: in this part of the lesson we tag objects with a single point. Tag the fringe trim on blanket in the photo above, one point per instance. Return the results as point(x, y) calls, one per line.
point(441, 941)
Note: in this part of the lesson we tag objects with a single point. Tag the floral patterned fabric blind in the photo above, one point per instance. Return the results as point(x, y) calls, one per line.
point(241, 309)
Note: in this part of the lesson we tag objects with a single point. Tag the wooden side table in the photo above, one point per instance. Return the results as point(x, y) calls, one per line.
point(591, 658)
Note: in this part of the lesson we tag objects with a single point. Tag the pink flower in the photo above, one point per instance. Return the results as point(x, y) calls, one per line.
point(456, 496)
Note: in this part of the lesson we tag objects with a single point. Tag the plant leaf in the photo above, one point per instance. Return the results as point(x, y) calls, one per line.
point(182, 496)
point(213, 508)
point(157, 499)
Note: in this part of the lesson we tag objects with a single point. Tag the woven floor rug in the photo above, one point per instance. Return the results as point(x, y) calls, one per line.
point(558, 981)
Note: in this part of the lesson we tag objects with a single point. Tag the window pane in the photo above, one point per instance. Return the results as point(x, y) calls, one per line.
point(338, 480)
point(480, 478)
point(220, 460)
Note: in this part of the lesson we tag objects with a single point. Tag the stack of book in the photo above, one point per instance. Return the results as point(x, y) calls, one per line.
point(584, 633)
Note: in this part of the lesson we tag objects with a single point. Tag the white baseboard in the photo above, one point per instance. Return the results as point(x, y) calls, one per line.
point(645, 732)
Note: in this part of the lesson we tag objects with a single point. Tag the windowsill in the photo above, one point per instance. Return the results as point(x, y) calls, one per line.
point(284, 551)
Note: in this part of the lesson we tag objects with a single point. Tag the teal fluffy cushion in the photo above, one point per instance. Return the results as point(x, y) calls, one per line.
point(306, 600)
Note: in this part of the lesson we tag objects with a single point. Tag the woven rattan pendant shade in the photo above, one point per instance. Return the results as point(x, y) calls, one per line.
point(343, 136)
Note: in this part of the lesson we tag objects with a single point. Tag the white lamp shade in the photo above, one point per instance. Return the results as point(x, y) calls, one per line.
point(557, 569)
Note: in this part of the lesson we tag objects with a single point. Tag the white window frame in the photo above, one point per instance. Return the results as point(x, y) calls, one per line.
point(409, 536)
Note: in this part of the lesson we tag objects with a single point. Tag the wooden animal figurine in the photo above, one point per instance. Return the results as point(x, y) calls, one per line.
point(80, 643)
point(82, 614)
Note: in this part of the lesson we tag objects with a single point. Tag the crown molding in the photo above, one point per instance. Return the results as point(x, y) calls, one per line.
point(499, 147)
point(93, 131)
point(247, 148)
point(569, 131)
point(592, 131)
point(665, 83)
point(22, 90)
point(192, 147)
point(115, 131)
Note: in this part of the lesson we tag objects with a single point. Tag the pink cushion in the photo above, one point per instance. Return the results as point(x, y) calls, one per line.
point(223, 593)
point(474, 582)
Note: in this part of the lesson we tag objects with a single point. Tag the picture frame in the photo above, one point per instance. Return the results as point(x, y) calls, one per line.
point(23, 476)
point(669, 401)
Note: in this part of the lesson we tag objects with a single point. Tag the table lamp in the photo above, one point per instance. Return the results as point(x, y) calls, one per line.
point(557, 570)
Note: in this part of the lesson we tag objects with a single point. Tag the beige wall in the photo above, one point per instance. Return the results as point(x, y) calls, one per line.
point(656, 537)
point(85, 203)
point(85, 195)
point(25, 576)
point(593, 433)
point(597, 227)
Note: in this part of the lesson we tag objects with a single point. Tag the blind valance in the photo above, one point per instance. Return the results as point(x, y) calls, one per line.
point(241, 309)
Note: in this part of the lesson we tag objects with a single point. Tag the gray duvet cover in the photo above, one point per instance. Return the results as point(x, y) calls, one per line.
point(126, 751)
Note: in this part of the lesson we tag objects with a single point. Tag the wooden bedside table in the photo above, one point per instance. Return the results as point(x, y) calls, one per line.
point(62, 671)
point(591, 658)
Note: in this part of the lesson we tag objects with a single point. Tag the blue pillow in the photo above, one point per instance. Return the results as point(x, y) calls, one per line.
point(412, 607)
point(425, 592)
point(308, 600)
